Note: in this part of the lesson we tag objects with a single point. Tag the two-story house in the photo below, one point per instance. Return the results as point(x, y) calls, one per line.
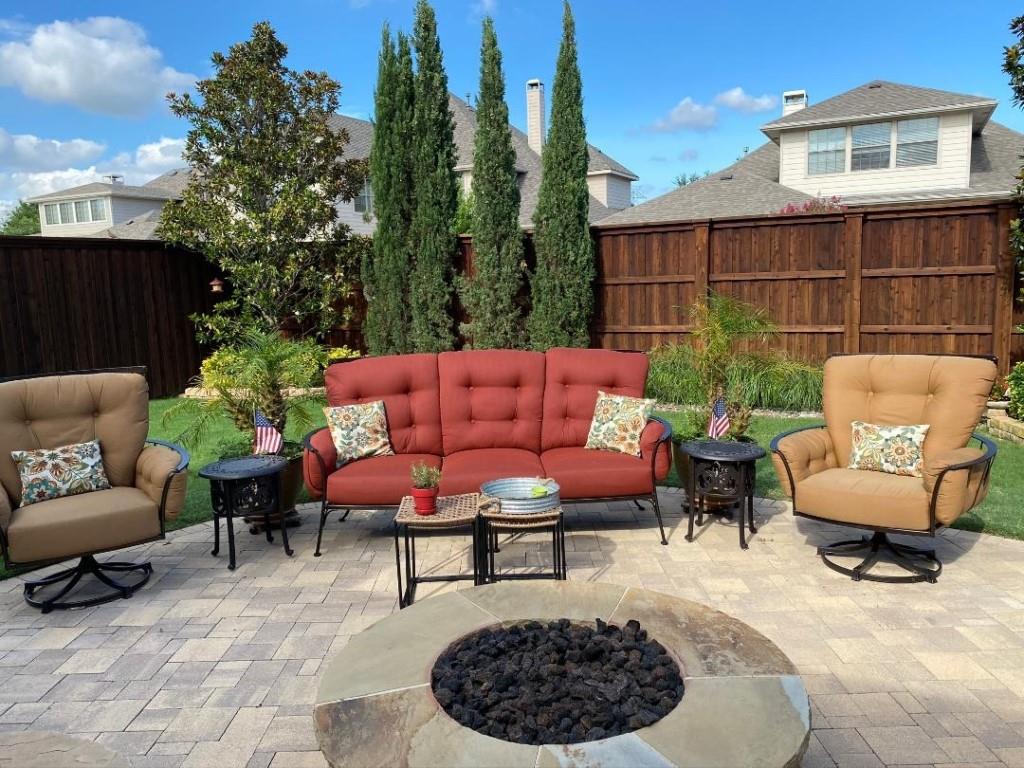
point(116, 210)
point(879, 143)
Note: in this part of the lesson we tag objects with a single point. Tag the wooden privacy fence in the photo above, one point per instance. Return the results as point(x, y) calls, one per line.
point(82, 303)
point(921, 279)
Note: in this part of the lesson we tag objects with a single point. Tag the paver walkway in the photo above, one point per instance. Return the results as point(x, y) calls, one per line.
point(206, 667)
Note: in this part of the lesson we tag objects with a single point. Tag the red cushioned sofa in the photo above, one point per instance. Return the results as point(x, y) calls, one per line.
point(485, 414)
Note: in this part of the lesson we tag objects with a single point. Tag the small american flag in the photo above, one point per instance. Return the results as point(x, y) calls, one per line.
point(719, 423)
point(268, 439)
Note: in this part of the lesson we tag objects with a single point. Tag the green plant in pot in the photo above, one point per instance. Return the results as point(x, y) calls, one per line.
point(263, 372)
point(425, 480)
point(720, 325)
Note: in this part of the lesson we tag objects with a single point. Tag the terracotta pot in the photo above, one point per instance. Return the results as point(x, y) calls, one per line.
point(424, 500)
point(291, 484)
point(681, 460)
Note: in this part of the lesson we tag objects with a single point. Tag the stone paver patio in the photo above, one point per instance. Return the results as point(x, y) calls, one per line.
point(208, 667)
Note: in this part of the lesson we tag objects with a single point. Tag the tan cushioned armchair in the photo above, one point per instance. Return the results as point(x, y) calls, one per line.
point(147, 480)
point(947, 393)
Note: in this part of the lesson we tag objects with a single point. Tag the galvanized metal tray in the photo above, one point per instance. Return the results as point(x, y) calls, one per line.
point(514, 495)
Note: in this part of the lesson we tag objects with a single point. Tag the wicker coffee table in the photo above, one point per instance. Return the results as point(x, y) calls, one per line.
point(454, 513)
point(493, 522)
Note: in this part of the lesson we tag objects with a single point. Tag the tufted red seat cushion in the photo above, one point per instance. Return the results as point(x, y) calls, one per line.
point(571, 382)
point(587, 474)
point(376, 480)
point(466, 471)
point(491, 399)
point(407, 384)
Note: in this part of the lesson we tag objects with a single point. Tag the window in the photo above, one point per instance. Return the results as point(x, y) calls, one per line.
point(917, 142)
point(81, 210)
point(364, 200)
point(52, 217)
point(99, 212)
point(871, 146)
point(67, 213)
point(76, 212)
point(826, 151)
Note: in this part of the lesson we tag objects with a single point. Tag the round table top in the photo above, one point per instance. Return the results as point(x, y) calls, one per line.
point(722, 450)
point(244, 468)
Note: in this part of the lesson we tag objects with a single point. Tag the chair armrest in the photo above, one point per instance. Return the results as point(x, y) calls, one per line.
point(160, 474)
point(5, 509)
point(319, 460)
point(800, 453)
point(958, 479)
point(656, 446)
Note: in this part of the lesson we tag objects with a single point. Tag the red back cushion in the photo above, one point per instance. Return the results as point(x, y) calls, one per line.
point(571, 383)
point(409, 388)
point(491, 398)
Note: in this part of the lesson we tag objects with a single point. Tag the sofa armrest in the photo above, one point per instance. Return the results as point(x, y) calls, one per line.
point(319, 460)
point(958, 479)
point(160, 474)
point(800, 453)
point(656, 446)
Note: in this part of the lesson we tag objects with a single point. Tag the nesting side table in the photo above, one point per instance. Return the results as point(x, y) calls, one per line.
point(246, 486)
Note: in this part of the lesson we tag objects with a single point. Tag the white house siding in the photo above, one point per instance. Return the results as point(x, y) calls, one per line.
point(611, 191)
point(952, 170)
point(347, 214)
point(128, 208)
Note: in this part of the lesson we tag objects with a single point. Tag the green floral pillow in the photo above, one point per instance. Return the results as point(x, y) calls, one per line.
point(51, 473)
point(618, 422)
point(896, 450)
point(359, 431)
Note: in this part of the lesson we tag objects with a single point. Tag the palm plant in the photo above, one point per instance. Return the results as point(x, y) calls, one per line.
point(264, 372)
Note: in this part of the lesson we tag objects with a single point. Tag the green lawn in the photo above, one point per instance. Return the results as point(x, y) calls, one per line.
point(1001, 513)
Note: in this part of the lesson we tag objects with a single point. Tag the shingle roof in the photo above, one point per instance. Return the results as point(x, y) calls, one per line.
point(878, 98)
point(104, 188)
point(142, 227)
point(360, 135)
point(173, 182)
point(754, 189)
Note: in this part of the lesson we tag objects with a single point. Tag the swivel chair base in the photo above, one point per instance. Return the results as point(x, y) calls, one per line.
point(87, 566)
point(921, 564)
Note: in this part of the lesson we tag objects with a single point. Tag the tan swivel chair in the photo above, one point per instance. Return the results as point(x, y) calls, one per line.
point(947, 393)
point(147, 481)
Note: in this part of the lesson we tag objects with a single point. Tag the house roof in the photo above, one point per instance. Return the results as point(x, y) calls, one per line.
point(102, 188)
point(141, 227)
point(754, 188)
point(880, 98)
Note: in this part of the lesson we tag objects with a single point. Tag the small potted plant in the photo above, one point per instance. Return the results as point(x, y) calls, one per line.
point(425, 480)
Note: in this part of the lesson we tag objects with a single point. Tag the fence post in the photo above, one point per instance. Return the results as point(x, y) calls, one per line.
point(1002, 315)
point(702, 258)
point(853, 228)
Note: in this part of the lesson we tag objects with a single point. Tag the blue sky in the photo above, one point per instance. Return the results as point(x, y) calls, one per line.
point(669, 87)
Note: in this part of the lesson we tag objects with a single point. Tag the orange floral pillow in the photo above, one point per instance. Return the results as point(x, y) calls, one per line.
point(359, 430)
point(618, 423)
point(896, 450)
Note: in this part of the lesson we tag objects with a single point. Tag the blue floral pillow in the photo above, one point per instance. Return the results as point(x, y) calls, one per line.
point(51, 473)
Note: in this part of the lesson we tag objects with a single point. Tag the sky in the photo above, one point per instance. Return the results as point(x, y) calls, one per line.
point(670, 87)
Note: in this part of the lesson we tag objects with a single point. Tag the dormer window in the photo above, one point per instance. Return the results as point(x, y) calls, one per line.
point(826, 151)
point(917, 142)
point(871, 144)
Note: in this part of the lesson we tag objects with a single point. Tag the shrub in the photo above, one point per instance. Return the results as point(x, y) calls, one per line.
point(334, 354)
point(425, 476)
point(1016, 382)
point(758, 379)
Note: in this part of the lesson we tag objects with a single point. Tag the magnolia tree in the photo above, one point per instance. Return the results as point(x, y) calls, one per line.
point(267, 170)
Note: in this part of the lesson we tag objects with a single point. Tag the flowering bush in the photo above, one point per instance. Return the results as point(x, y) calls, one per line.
point(815, 205)
point(1016, 382)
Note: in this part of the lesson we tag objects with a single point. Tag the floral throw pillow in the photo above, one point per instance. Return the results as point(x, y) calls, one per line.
point(51, 473)
point(896, 450)
point(359, 430)
point(618, 422)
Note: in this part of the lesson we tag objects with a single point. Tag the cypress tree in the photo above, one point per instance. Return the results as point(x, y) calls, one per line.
point(562, 286)
point(385, 270)
point(490, 295)
point(436, 197)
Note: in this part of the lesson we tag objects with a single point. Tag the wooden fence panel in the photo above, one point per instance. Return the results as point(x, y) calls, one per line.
point(82, 303)
point(899, 279)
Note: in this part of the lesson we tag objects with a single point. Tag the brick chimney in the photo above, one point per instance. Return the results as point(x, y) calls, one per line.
point(535, 115)
point(793, 101)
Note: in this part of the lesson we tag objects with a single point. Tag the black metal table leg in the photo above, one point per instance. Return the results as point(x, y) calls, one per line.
point(398, 567)
point(691, 501)
point(229, 510)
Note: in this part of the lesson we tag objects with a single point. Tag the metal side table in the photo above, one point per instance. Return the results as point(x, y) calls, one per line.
point(726, 470)
point(246, 486)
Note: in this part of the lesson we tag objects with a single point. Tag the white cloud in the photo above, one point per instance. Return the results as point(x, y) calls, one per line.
point(737, 98)
point(102, 64)
point(687, 115)
point(151, 159)
point(23, 151)
point(485, 7)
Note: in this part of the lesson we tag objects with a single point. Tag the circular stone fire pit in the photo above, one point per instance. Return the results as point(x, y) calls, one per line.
point(744, 704)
